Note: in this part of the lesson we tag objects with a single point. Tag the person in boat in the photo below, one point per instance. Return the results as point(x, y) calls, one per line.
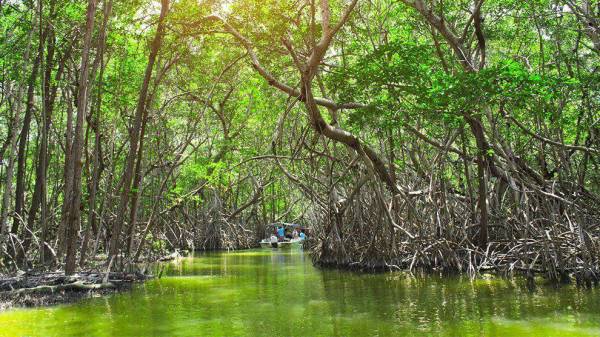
point(302, 235)
point(295, 234)
point(281, 232)
point(274, 239)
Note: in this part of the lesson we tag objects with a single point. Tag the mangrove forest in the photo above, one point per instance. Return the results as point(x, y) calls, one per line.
point(432, 164)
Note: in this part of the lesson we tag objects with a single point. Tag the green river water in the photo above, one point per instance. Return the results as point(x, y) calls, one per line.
point(278, 293)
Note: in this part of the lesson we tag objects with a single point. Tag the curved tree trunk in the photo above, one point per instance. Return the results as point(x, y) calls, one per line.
point(135, 134)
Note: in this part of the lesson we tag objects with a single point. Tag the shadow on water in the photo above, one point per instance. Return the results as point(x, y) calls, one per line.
point(279, 293)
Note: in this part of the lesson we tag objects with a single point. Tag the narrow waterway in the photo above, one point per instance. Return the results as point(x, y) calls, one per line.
point(277, 293)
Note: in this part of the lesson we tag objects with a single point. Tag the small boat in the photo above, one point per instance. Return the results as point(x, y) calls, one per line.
point(266, 243)
point(287, 242)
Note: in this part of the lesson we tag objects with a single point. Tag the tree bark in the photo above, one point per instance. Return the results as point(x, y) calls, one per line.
point(135, 134)
point(23, 140)
point(95, 125)
point(482, 169)
point(39, 194)
point(73, 214)
point(139, 176)
point(42, 154)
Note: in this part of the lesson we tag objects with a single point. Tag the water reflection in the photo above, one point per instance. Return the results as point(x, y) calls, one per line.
point(279, 293)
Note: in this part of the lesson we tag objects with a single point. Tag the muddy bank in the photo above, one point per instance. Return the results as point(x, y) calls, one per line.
point(43, 289)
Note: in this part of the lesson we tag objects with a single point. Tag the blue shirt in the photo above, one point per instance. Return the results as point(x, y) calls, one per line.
point(281, 231)
point(302, 236)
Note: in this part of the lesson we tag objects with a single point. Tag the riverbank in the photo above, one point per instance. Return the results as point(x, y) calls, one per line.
point(48, 288)
point(43, 288)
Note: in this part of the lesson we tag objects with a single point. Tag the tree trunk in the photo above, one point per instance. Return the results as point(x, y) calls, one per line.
point(137, 180)
point(135, 134)
point(95, 124)
point(23, 140)
point(42, 155)
point(482, 169)
point(40, 190)
point(73, 214)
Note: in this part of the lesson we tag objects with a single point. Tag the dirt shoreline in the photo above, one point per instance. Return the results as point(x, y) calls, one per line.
point(39, 289)
point(46, 289)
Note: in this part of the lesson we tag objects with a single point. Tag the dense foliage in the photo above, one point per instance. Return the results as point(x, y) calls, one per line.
point(453, 135)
